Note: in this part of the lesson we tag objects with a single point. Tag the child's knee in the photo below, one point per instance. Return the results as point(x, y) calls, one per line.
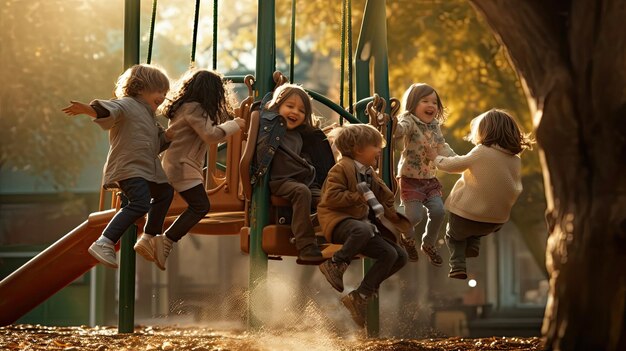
point(168, 192)
point(390, 254)
point(302, 191)
point(362, 230)
point(202, 207)
point(414, 212)
point(436, 210)
point(140, 205)
point(403, 258)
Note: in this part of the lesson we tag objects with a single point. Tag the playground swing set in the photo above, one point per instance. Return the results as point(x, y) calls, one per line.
point(237, 208)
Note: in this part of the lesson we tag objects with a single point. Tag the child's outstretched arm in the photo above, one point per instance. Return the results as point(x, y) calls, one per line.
point(79, 108)
point(453, 164)
point(210, 133)
point(443, 149)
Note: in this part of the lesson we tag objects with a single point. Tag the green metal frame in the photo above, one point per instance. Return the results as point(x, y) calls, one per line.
point(333, 106)
point(132, 17)
point(373, 34)
point(259, 209)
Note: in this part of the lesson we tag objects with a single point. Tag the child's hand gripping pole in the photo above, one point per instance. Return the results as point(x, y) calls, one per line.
point(369, 196)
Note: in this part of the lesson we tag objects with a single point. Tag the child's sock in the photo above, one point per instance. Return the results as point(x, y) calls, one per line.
point(145, 236)
point(104, 240)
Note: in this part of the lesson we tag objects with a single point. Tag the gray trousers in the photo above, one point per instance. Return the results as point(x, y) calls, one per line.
point(414, 211)
point(358, 237)
point(463, 233)
point(300, 196)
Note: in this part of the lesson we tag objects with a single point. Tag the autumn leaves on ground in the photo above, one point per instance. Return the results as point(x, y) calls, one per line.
point(29, 337)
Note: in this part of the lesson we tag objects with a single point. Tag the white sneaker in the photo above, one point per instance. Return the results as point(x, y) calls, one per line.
point(105, 253)
point(163, 246)
point(145, 247)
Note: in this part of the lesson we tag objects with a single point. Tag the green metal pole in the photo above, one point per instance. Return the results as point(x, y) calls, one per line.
point(127, 281)
point(373, 34)
point(132, 13)
point(259, 214)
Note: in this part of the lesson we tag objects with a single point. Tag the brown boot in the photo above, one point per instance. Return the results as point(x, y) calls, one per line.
point(409, 245)
point(334, 273)
point(357, 306)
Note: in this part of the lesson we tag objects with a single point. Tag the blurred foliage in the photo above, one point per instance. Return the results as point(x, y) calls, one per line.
point(47, 59)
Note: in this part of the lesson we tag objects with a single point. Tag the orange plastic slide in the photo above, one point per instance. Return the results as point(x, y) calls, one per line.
point(51, 270)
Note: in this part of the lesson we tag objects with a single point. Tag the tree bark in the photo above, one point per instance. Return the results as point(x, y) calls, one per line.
point(571, 57)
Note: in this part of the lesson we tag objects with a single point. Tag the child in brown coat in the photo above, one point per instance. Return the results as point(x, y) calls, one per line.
point(344, 215)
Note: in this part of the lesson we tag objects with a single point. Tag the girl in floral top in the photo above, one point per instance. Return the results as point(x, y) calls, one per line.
point(419, 125)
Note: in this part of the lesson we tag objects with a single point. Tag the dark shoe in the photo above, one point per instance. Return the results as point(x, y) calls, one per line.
point(310, 253)
point(471, 252)
point(433, 255)
point(409, 245)
point(334, 273)
point(357, 307)
point(457, 273)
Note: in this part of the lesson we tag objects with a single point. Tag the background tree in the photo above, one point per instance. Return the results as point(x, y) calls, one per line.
point(571, 56)
point(39, 39)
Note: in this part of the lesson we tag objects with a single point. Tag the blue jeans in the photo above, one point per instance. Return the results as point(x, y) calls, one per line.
point(358, 237)
point(143, 197)
point(415, 213)
point(463, 233)
point(199, 206)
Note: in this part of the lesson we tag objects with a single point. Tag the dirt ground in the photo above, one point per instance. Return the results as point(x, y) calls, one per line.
point(35, 337)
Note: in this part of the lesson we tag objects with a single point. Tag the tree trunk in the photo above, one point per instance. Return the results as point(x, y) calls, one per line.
point(571, 57)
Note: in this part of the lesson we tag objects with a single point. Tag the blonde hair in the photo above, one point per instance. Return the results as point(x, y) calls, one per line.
point(350, 138)
point(415, 93)
point(284, 92)
point(498, 127)
point(140, 78)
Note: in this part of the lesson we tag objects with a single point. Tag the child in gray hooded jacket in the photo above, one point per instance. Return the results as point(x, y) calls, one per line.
point(133, 163)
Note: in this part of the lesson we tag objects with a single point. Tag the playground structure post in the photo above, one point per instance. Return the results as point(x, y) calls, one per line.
point(259, 215)
point(371, 57)
point(132, 13)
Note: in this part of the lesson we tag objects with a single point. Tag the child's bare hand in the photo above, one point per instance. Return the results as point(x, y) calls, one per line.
point(78, 108)
point(240, 122)
point(170, 134)
point(431, 152)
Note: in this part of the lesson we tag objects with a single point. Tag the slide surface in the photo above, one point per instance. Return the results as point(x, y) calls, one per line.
point(54, 268)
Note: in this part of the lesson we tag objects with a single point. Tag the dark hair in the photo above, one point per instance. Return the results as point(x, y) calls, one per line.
point(500, 128)
point(206, 88)
point(284, 92)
